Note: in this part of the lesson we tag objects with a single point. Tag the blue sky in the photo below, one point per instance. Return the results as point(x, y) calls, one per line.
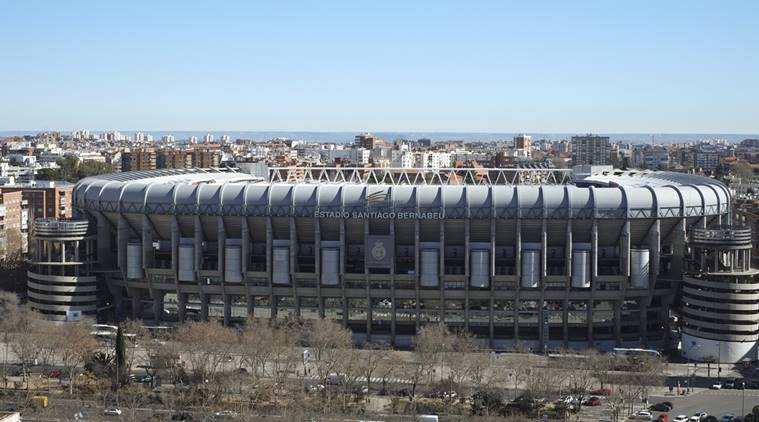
point(500, 66)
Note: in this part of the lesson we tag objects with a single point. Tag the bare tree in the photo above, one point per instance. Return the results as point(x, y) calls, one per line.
point(207, 345)
point(372, 357)
point(432, 342)
point(74, 345)
point(326, 338)
point(8, 309)
point(255, 346)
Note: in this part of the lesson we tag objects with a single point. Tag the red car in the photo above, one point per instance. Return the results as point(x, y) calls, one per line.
point(593, 401)
point(663, 417)
point(601, 392)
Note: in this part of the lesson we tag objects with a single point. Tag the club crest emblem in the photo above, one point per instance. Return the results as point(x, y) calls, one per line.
point(378, 251)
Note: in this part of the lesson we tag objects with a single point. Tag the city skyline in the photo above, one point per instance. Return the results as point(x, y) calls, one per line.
point(549, 67)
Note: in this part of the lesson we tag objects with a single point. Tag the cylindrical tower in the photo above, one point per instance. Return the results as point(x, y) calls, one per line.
point(61, 284)
point(720, 297)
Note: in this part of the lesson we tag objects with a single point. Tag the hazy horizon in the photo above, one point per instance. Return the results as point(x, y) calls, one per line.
point(347, 136)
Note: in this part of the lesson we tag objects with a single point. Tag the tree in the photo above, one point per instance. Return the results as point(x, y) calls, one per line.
point(326, 338)
point(8, 308)
point(134, 331)
point(372, 357)
point(207, 344)
point(120, 374)
point(431, 342)
point(74, 344)
point(255, 346)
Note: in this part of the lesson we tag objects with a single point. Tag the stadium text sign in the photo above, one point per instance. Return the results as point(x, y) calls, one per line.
point(383, 215)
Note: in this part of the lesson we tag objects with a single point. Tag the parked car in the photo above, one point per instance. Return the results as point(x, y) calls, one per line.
point(661, 407)
point(181, 417)
point(740, 383)
point(601, 392)
point(593, 401)
point(680, 418)
point(644, 415)
point(699, 417)
point(54, 373)
point(728, 418)
point(729, 384)
point(663, 417)
point(225, 414)
point(716, 386)
point(112, 411)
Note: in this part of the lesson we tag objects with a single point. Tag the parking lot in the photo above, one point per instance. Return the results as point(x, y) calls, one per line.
point(713, 402)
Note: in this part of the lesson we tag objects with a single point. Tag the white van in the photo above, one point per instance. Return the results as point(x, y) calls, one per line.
point(427, 418)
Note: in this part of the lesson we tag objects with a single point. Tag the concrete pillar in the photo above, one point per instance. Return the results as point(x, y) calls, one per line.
point(624, 249)
point(198, 249)
point(245, 247)
point(227, 309)
point(251, 305)
point(136, 296)
point(157, 298)
point(122, 238)
point(644, 322)
point(104, 254)
point(181, 306)
point(678, 248)
point(221, 238)
point(175, 235)
point(618, 321)
point(204, 306)
point(147, 243)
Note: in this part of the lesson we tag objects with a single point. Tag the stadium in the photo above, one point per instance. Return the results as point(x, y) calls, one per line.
point(531, 258)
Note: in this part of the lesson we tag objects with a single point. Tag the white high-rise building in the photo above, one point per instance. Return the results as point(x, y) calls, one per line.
point(169, 139)
point(208, 139)
point(139, 137)
point(224, 139)
point(193, 139)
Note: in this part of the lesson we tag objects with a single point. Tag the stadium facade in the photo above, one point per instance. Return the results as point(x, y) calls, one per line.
point(517, 257)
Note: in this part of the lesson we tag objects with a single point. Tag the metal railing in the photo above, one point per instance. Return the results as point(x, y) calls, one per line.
point(422, 176)
point(53, 227)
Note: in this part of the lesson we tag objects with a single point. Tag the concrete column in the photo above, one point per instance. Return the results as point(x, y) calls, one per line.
point(157, 298)
point(441, 271)
point(104, 255)
point(344, 299)
point(221, 240)
point(392, 286)
point(204, 306)
point(227, 309)
point(565, 321)
point(251, 306)
point(147, 243)
point(417, 274)
point(368, 284)
point(198, 247)
point(544, 254)
point(245, 247)
point(136, 296)
point(181, 306)
point(594, 252)
point(467, 272)
point(175, 235)
point(678, 247)
point(624, 249)
point(122, 238)
point(644, 322)
point(618, 321)
point(568, 253)
point(590, 323)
